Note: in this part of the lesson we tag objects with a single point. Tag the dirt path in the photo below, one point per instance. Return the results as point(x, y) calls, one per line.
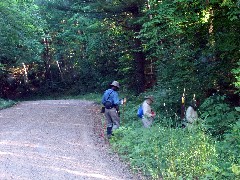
point(56, 140)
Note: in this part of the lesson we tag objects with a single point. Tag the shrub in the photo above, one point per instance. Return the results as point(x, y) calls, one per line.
point(229, 158)
point(166, 153)
point(218, 115)
point(6, 103)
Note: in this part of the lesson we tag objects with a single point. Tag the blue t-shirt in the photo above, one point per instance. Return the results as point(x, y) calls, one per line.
point(112, 96)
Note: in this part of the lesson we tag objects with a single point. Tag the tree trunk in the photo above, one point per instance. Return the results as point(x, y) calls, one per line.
point(139, 62)
point(139, 56)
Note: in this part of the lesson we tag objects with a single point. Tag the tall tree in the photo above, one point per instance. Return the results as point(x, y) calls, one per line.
point(195, 47)
point(114, 21)
point(127, 15)
point(21, 28)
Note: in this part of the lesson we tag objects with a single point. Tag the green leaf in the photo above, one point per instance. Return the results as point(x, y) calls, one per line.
point(237, 109)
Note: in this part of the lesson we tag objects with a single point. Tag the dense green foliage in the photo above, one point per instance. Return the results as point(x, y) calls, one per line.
point(165, 152)
point(21, 28)
point(6, 103)
point(167, 48)
point(195, 40)
point(219, 116)
point(180, 153)
point(195, 46)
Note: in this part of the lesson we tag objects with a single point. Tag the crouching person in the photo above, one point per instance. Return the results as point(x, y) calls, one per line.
point(111, 102)
point(191, 113)
point(148, 113)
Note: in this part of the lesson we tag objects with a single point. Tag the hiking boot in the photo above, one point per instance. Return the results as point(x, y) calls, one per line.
point(109, 136)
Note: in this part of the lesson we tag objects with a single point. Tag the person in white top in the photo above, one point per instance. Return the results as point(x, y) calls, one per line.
point(148, 113)
point(191, 113)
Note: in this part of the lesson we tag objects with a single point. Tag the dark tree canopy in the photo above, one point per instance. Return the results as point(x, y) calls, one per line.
point(143, 44)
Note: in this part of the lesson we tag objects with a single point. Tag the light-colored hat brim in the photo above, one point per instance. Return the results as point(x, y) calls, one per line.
point(115, 83)
point(149, 97)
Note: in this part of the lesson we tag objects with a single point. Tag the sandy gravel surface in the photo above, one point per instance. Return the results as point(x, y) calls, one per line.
point(56, 140)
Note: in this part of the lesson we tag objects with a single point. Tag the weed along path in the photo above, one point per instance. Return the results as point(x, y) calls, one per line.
point(56, 140)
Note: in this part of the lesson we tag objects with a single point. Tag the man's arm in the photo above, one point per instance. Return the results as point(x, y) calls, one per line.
point(103, 98)
point(116, 100)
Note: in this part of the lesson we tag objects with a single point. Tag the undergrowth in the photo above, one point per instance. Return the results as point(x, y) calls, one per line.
point(166, 153)
point(6, 103)
point(169, 152)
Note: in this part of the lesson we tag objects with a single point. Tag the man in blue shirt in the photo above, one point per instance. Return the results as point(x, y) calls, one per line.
point(111, 102)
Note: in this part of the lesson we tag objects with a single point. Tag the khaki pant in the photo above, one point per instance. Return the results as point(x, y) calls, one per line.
point(147, 122)
point(112, 118)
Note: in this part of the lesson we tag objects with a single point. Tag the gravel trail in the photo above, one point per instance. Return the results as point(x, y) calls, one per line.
point(56, 140)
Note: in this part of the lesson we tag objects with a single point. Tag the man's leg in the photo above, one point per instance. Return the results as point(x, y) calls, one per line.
point(146, 122)
point(115, 118)
point(109, 122)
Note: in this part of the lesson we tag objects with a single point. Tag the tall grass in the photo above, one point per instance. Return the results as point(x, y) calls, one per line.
point(166, 153)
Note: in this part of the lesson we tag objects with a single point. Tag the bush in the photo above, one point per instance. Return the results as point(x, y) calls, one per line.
point(229, 150)
point(218, 115)
point(6, 103)
point(166, 153)
point(174, 153)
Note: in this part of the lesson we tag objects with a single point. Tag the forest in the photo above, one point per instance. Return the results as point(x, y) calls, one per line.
point(171, 49)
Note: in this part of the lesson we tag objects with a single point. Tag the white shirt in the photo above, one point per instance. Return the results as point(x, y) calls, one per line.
point(191, 114)
point(147, 111)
